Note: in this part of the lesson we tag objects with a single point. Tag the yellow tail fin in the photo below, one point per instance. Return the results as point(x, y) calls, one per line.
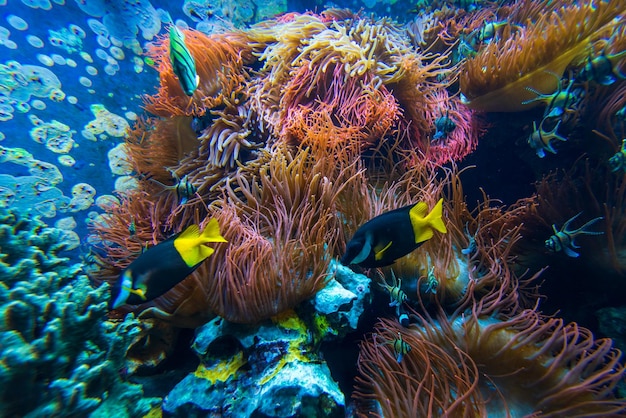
point(190, 243)
point(423, 225)
point(205, 251)
point(211, 232)
point(434, 218)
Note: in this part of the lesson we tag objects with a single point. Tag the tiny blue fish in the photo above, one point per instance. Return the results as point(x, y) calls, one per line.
point(443, 126)
point(604, 69)
point(618, 161)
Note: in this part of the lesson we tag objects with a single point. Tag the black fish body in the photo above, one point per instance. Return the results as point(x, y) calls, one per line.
point(385, 238)
point(159, 268)
point(163, 266)
point(394, 227)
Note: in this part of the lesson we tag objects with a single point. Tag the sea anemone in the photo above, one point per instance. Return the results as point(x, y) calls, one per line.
point(351, 108)
point(359, 79)
point(454, 128)
point(155, 144)
point(548, 39)
point(282, 229)
point(609, 117)
point(475, 258)
point(472, 365)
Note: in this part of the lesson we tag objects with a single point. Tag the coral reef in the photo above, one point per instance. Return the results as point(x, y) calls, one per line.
point(59, 357)
point(281, 233)
point(306, 126)
point(36, 191)
point(209, 16)
point(338, 307)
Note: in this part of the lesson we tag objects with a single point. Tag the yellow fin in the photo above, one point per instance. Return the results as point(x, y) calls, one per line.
point(205, 251)
point(435, 217)
point(379, 254)
point(211, 232)
point(192, 231)
point(141, 291)
point(423, 225)
point(425, 234)
point(419, 210)
point(190, 243)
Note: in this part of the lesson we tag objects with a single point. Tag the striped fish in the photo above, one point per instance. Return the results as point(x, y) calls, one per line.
point(183, 188)
point(183, 64)
point(400, 348)
point(563, 240)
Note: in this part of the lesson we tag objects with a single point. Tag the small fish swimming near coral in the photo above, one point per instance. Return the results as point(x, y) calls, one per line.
point(443, 126)
point(132, 227)
point(489, 31)
point(184, 189)
point(559, 103)
point(603, 68)
point(540, 140)
point(400, 348)
point(163, 266)
point(618, 161)
point(183, 64)
point(396, 294)
point(432, 283)
point(563, 240)
point(383, 239)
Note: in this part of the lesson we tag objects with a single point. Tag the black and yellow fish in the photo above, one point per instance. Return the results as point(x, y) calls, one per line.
point(394, 234)
point(183, 64)
point(163, 266)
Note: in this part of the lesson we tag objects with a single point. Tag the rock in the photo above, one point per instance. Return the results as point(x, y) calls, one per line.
point(341, 303)
point(266, 370)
